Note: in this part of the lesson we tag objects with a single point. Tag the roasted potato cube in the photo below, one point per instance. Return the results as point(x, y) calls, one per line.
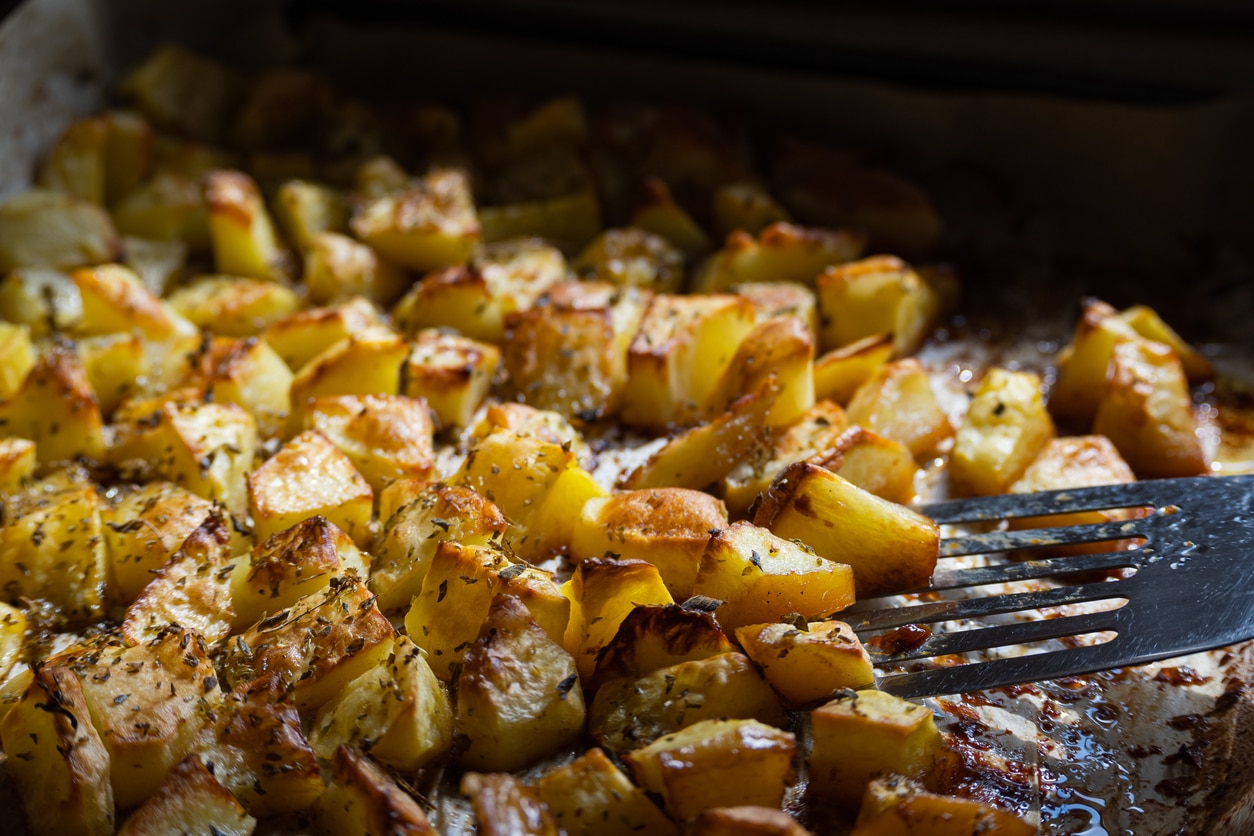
point(234, 307)
point(1083, 365)
point(874, 463)
point(52, 548)
point(879, 295)
point(457, 592)
point(518, 695)
point(304, 335)
point(385, 436)
point(745, 821)
point(592, 797)
point(715, 763)
point(192, 589)
point(318, 645)
point(57, 409)
point(760, 577)
point(653, 637)
point(190, 799)
point(39, 228)
point(780, 253)
point(890, 547)
point(184, 92)
point(516, 473)
point(361, 798)
point(864, 734)
point(897, 806)
point(476, 298)
point(304, 209)
point(452, 373)
point(703, 455)
point(40, 298)
point(76, 163)
point(337, 267)
point(1146, 411)
point(552, 529)
point(772, 300)
point(839, 373)
point(747, 206)
point(632, 256)
point(244, 240)
point(528, 422)
point(628, 713)
point(1007, 424)
point(781, 348)
point(808, 663)
point(116, 301)
point(814, 432)
point(505, 806)
point(17, 464)
point(565, 360)
point(309, 476)
point(255, 727)
point(366, 363)
point(602, 593)
point(57, 761)
point(248, 373)
point(17, 358)
point(397, 711)
point(1146, 322)
point(144, 531)
point(657, 212)
point(116, 366)
point(430, 225)
point(668, 527)
point(149, 702)
point(166, 207)
point(411, 534)
point(294, 563)
point(207, 448)
point(898, 403)
point(674, 362)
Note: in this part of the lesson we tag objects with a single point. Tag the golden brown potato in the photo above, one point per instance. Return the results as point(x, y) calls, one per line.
point(302, 336)
point(430, 225)
point(565, 359)
point(746, 205)
point(1146, 322)
point(365, 363)
point(657, 212)
point(362, 798)
point(773, 300)
point(1083, 365)
point(653, 637)
point(116, 366)
point(116, 301)
point(632, 256)
point(386, 437)
point(76, 163)
point(780, 253)
point(338, 268)
point(744, 821)
point(305, 209)
point(17, 464)
point(145, 529)
point(878, 295)
point(57, 409)
point(244, 239)
point(897, 806)
point(250, 374)
point(592, 797)
point(890, 547)
point(876, 464)
point(184, 92)
point(898, 403)
point(518, 695)
point(715, 763)
point(782, 349)
point(1005, 428)
point(39, 228)
point(452, 373)
point(189, 799)
point(863, 734)
point(234, 307)
point(17, 358)
point(505, 806)
point(602, 592)
point(839, 373)
point(807, 663)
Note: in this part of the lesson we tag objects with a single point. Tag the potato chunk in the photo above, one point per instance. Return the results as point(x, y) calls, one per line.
point(518, 695)
point(244, 239)
point(505, 806)
point(668, 527)
point(57, 409)
point(864, 734)
point(234, 307)
point(294, 563)
point(365, 363)
point(337, 267)
point(628, 713)
point(810, 662)
point(1146, 411)
point(745, 821)
point(385, 436)
point(761, 577)
point(305, 209)
point(878, 295)
point(250, 374)
point(781, 348)
point(189, 799)
point(318, 645)
point(876, 464)
point(182, 91)
point(397, 711)
point(897, 806)
point(716, 763)
point(780, 253)
point(1083, 365)
point(145, 529)
point(890, 547)
point(653, 637)
point(632, 256)
point(431, 224)
point(362, 799)
point(839, 373)
point(17, 358)
point(413, 532)
point(56, 759)
point(304, 335)
point(40, 228)
point(207, 448)
point(565, 360)
point(674, 362)
point(898, 403)
point(116, 365)
point(591, 797)
point(52, 548)
point(309, 476)
point(602, 593)
point(17, 464)
point(1006, 426)
point(115, 301)
point(76, 163)
point(452, 373)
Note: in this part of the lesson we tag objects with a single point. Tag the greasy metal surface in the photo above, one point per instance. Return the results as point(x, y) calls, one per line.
point(1187, 589)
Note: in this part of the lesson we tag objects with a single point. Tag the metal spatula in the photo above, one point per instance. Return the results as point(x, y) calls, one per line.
point(1188, 587)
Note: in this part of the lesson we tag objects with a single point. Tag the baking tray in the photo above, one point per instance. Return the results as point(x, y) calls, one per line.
point(1047, 197)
